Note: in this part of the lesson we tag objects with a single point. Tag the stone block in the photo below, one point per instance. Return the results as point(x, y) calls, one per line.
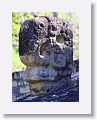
point(46, 48)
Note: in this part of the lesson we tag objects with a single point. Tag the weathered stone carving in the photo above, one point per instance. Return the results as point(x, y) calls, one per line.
point(46, 48)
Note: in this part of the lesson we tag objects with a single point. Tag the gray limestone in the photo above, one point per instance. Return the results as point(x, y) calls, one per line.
point(46, 48)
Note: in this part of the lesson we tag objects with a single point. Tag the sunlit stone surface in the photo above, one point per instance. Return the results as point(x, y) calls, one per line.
point(46, 48)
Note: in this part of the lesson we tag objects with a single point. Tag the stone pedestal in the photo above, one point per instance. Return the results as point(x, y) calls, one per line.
point(46, 82)
point(38, 87)
point(46, 48)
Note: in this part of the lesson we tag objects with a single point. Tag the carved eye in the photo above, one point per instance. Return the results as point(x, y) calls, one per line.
point(41, 25)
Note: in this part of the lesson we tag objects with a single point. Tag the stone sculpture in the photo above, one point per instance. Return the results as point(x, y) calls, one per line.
point(46, 48)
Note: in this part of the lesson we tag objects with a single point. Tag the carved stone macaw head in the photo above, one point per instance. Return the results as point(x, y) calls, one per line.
point(45, 41)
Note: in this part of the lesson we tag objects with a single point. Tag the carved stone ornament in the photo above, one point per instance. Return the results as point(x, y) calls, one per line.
point(46, 48)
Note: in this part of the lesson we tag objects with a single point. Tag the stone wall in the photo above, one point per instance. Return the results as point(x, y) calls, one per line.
point(21, 89)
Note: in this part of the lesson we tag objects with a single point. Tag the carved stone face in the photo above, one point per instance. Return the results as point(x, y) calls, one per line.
point(45, 44)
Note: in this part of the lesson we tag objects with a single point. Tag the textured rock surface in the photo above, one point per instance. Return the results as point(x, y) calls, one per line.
point(68, 93)
point(46, 48)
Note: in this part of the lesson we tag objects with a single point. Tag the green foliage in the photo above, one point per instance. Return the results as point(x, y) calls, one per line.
point(16, 62)
point(19, 17)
